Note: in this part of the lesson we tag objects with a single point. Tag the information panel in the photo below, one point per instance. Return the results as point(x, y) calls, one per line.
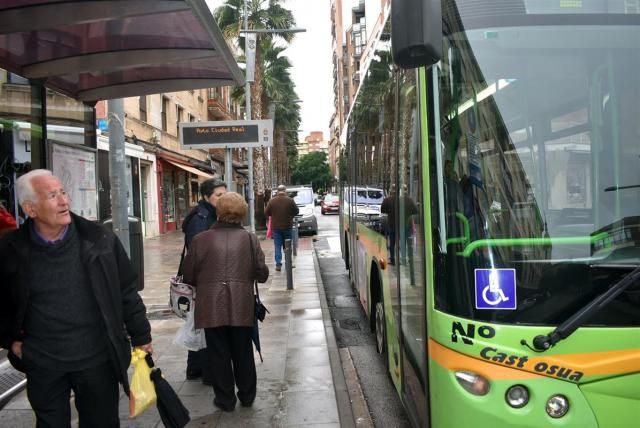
point(75, 166)
point(226, 134)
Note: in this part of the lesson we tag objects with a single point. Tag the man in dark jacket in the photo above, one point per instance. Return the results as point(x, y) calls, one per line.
point(69, 293)
point(199, 219)
point(282, 210)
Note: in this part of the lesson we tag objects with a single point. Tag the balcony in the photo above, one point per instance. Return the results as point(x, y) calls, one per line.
point(217, 110)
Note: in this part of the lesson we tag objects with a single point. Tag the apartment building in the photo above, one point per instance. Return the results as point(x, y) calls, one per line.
point(314, 142)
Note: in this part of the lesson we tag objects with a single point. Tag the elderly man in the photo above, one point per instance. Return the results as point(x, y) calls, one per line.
point(282, 210)
point(69, 292)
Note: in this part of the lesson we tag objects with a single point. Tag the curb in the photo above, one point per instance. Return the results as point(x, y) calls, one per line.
point(349, 397)
point(361, 414)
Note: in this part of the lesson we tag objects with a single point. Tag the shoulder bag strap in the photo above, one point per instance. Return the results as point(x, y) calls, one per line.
point(253, 262)
point(184, 248)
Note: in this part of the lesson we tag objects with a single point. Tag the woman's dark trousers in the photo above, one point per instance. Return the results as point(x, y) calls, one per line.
point(231, 362)
point(96, 393)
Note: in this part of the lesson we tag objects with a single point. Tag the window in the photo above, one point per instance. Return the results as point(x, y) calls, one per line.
point(16, 79)
point(179, 115)
point(143, 108)
point(165, 107)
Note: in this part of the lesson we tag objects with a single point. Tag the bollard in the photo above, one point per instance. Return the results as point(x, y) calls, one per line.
point(288, 265)
point(294, 236)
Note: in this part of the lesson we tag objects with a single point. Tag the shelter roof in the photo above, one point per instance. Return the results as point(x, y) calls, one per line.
point(92, 50)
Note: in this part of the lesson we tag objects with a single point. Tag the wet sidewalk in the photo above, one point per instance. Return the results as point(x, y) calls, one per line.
point(296, 384)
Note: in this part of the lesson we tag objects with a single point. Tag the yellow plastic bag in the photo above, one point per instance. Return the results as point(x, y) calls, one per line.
point(142, 391)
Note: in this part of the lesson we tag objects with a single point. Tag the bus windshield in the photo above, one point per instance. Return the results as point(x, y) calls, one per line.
point(538, 161)
point(369, 196)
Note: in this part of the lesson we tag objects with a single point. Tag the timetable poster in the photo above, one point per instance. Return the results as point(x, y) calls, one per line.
point(76, 168)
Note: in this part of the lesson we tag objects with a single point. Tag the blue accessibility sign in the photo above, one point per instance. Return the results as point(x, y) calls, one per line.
point(495, 289)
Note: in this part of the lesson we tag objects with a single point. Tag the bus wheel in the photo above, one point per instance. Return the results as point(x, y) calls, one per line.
point(381, 336)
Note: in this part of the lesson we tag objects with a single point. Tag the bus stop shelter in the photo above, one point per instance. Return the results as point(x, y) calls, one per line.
point(96, 50)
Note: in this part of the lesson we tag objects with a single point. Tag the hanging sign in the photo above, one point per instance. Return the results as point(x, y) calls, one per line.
point(226, 134)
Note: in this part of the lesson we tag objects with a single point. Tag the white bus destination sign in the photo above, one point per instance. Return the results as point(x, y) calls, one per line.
point(226, 134)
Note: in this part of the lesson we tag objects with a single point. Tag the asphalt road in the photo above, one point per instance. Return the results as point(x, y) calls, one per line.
point(352, 329)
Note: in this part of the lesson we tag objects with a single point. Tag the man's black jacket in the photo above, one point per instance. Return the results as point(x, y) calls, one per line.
point(113, 282)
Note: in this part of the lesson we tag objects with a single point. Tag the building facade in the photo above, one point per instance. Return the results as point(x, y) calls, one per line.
point(314, 142)
point(164, 178)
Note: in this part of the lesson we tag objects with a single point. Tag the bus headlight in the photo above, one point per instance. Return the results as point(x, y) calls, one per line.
point(557, 406)
point(517, 396)
point(473, 382)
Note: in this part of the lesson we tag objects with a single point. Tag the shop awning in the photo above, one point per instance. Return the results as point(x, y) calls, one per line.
point(190, 169)
point(93, 50)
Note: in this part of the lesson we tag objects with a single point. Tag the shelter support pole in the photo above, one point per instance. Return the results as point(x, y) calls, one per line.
point(117, 176)
point(228, 169)
point(252, 218)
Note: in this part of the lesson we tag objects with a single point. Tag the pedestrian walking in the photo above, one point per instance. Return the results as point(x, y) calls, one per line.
point(282, 210)
point(216, 265)
point(199, 219)
point(69, 301)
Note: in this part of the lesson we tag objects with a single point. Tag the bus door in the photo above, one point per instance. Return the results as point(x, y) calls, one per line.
point(410, 250)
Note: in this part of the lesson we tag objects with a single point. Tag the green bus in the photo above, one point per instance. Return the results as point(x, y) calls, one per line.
point(500, 274)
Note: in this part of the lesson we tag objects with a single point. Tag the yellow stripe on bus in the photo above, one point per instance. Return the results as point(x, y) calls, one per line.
point(605, 363)
point(453, 361)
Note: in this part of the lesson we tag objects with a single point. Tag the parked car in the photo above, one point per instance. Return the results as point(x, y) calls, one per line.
point(330, 204)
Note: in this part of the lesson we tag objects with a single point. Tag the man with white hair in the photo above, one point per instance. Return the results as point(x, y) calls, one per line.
point(69, 292)
point(282, 210)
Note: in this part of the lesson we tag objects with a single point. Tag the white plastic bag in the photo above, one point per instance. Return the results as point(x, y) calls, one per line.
point(189, 337)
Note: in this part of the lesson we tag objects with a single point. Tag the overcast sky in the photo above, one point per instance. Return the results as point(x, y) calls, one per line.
point(310, 54)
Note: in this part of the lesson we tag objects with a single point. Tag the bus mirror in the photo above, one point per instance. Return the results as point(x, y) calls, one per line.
point(416, 32)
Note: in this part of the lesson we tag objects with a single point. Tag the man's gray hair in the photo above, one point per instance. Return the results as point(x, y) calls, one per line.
point(282, 188)
point(24, 186)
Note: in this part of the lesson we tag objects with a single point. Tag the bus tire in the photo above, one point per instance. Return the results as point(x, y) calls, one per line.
point(381, 333)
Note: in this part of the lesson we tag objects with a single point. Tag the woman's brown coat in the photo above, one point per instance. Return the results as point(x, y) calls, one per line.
point(220, 265)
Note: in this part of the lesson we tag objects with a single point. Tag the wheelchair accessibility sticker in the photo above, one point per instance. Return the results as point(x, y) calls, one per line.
point(495, 288)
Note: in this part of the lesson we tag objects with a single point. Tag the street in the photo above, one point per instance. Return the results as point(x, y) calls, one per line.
point(352, 328)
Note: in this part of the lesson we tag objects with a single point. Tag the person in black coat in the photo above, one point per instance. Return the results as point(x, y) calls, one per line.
point(70, 310)
point(199, 219)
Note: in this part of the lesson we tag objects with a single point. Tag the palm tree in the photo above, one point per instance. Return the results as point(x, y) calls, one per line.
point(262, 14)
point(279, 93)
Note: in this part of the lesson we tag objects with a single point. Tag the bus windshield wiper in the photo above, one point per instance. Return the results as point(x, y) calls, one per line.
point(616, 188)
point(542, 343)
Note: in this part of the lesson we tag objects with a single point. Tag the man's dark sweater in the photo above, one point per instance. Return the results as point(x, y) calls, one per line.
point(64, 329)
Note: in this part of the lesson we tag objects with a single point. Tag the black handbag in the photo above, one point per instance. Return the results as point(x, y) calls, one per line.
point(259, 309)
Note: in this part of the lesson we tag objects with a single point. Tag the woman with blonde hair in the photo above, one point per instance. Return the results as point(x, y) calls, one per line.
point(222, 264)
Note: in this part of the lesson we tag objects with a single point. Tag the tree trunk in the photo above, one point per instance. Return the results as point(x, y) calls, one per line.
point(258, 153)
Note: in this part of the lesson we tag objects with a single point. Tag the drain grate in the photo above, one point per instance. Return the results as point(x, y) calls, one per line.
point(11, 381)
point(349, 324)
